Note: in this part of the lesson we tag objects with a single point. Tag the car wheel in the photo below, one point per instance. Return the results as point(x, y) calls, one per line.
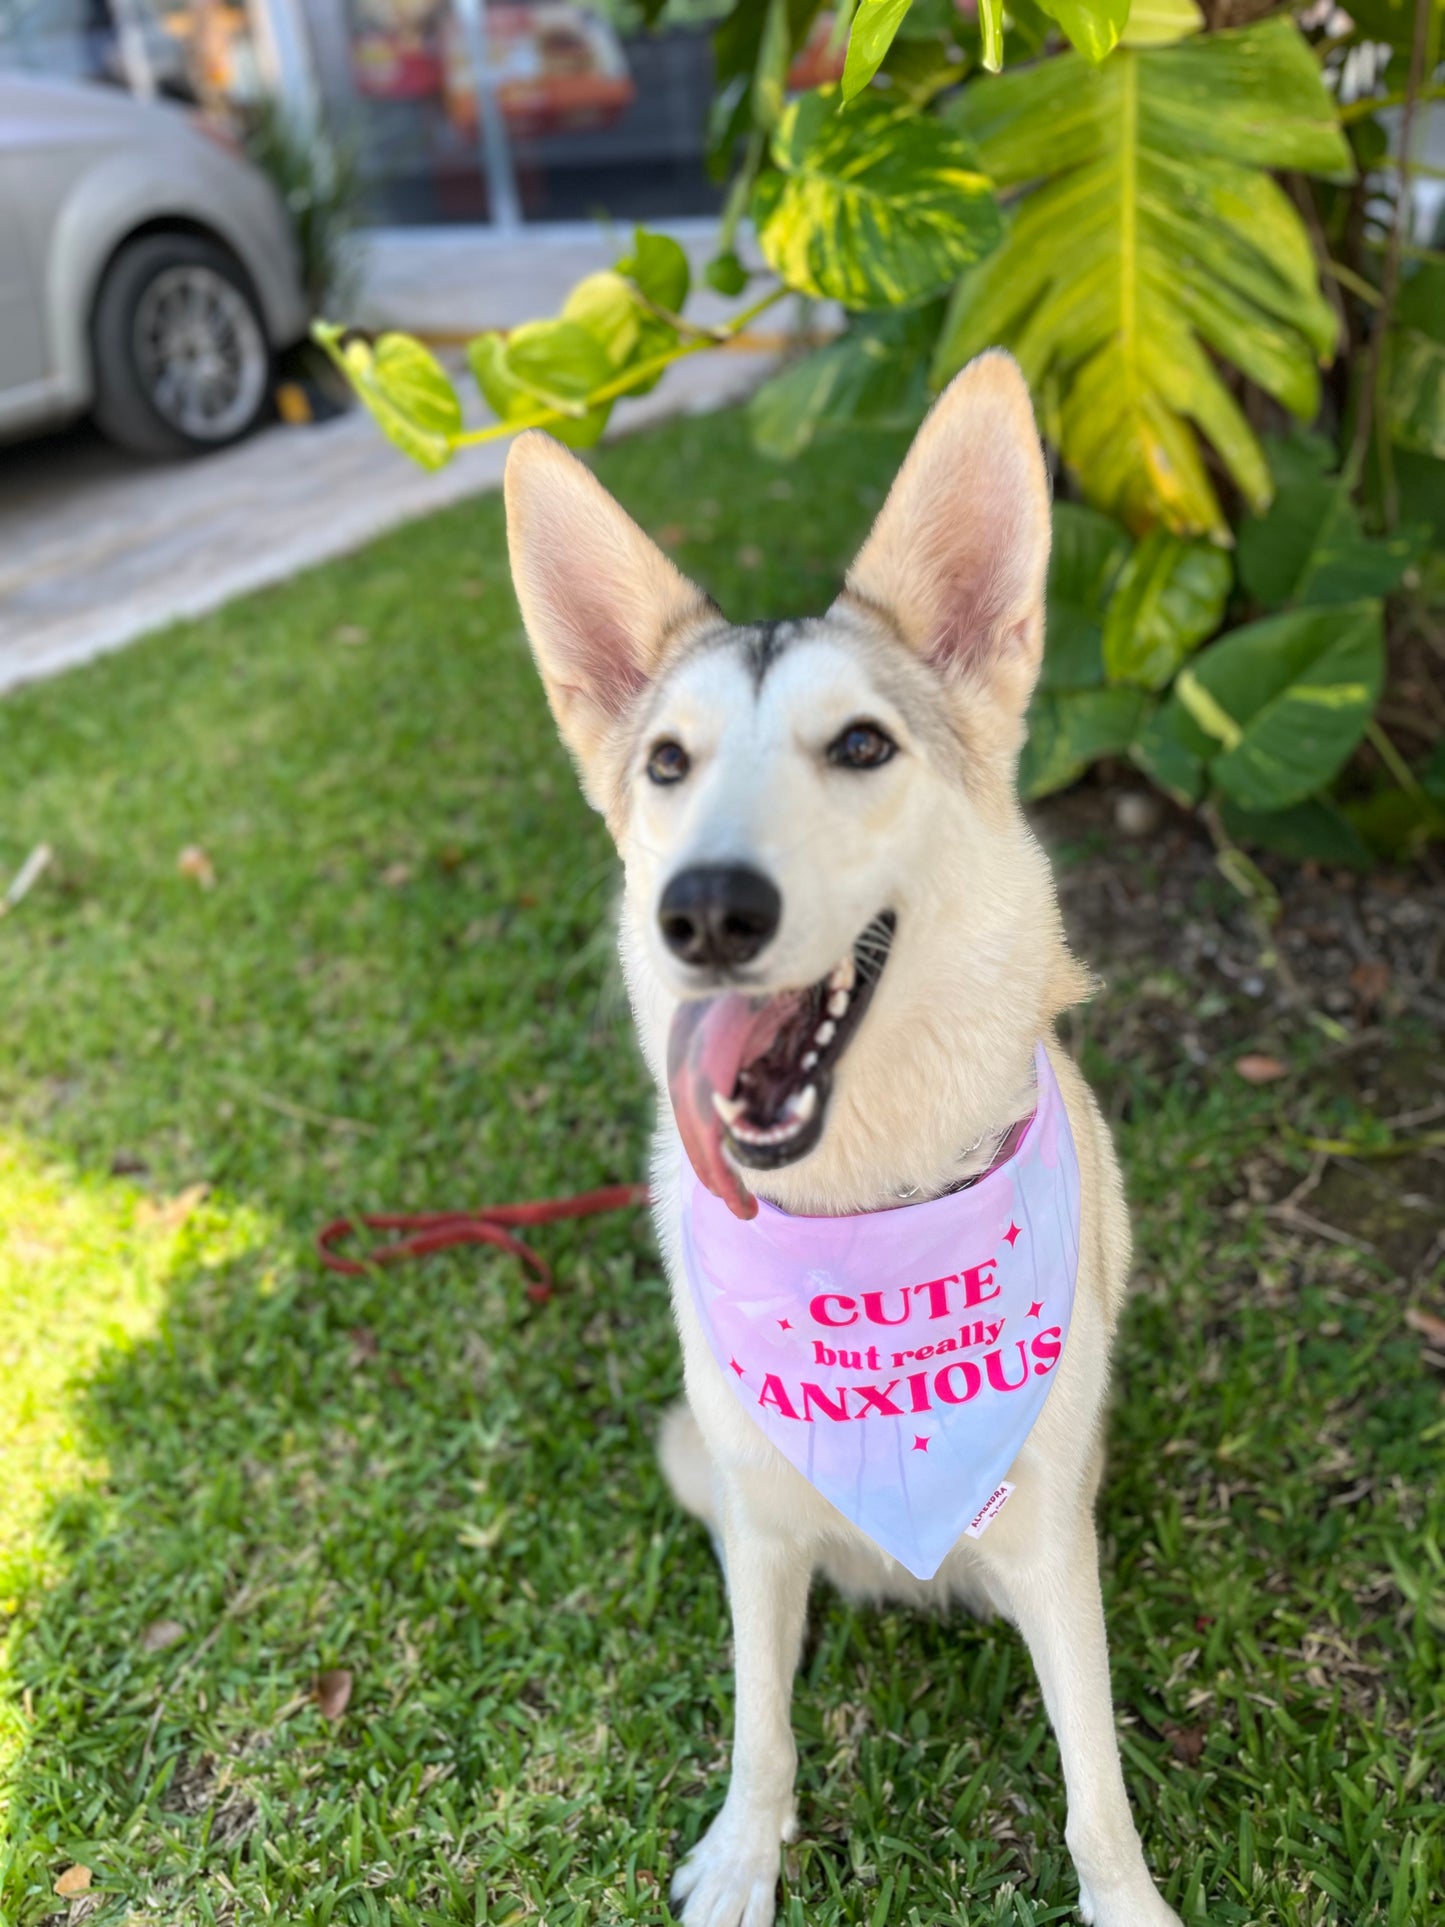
point(182, 363)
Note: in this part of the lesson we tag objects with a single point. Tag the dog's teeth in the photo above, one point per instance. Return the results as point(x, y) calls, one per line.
point(825, 1033)
point(729, 1109)
point(838, 1004)
point(810, 1058)
point(803, 1103)
point(843, 975)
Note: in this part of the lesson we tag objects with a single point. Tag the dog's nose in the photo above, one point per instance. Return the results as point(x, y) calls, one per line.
point(719, 913)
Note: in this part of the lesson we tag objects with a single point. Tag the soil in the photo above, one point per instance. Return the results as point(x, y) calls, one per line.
point(1340, 985)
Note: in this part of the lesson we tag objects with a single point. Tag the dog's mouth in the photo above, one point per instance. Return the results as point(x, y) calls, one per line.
point(750, 1077)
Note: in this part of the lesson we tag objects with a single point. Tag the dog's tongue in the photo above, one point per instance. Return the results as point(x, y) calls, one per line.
point(709, 1043)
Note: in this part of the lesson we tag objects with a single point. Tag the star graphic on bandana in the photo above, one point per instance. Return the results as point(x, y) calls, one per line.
point(1036, 1309)
point(736, 1367)
point(1012, 1235)
point(920, 1444)
point(785, 1324)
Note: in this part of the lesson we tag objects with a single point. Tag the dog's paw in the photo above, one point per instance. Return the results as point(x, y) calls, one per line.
point(730, 1879)
point(1137, 1905)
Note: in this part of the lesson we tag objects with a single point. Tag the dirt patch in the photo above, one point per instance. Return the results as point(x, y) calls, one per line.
point(1346, 979)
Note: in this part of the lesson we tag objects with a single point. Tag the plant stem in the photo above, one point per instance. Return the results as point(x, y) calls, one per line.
point(629, 379)
point(1362, 109)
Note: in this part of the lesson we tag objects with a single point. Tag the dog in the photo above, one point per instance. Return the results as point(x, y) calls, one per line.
point(845, 960)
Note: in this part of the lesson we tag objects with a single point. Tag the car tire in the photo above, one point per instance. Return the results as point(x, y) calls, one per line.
point(182, 362)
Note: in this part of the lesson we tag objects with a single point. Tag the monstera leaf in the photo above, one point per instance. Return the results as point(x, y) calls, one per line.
point(1153, 237)
point(870, 207)
point(1269, 712)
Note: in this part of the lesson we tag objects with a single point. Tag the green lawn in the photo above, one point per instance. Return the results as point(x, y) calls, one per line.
point(223, 1471)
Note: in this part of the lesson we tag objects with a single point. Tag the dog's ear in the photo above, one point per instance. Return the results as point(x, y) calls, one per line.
point(957, 558)
point(601, 602)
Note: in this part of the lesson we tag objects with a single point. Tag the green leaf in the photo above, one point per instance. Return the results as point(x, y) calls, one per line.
point(871, 208)
point(405, 388)
point(1415, 378)
point(544, 365)
point(1310, 548)
point(874, 376)
point(1315, 831)
point(1390, 21)
point(1071, 728)
point(874, 26)
point(726, 274)
point(605, 306)
point(1171, 595)
point(561, 362)
point(1397, 823)
point(1154, 242)
point(1088, 552)
point(1161, 23)
point(660, 267)
point(990, 27)
point(1167, 752)
point(1093, 26)
point(1275, 708)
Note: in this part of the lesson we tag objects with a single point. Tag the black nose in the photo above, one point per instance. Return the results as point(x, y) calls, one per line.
point(719, 913)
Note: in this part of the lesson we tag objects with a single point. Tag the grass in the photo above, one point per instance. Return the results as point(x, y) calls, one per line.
point(224, 1472)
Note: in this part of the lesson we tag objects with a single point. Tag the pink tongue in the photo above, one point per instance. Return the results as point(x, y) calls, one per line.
point(709, 1044)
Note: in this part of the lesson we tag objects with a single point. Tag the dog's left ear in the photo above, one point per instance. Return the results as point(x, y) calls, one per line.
point(958, 555)
point(601, 602)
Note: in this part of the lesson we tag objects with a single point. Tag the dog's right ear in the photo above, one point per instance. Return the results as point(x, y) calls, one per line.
point(600, 600)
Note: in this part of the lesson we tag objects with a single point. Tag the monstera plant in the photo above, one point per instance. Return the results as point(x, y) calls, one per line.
point(1196, 250)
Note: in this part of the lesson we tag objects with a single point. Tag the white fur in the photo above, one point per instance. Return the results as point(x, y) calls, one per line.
point(937, 638)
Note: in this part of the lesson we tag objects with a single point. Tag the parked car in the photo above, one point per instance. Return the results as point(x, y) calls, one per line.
point(148, 273)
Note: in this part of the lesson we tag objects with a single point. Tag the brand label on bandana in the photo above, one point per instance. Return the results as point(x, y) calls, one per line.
point(900, 1358)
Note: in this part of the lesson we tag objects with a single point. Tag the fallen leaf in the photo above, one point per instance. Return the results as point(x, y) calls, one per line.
point(1187, 1742)
point(750, 556)
point(670, 535)
point(1430, 1328)
point(363, 1345)
point(332, 1693)
point(1260, 1070)
point(395, 875)
point(160, 1634)
point(75, 1880)
point(195, 864)
point(1370, 981)
point(171, 1215)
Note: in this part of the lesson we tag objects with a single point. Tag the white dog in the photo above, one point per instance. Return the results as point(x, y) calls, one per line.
point(845, 960)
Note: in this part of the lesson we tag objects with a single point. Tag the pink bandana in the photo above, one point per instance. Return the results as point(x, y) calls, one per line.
point(900, 1358)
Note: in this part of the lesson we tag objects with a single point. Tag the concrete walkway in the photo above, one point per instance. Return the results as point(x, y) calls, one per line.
point(96, 548)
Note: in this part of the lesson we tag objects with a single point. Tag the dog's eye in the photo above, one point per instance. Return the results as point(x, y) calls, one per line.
point(668, 763)
point(861, 746)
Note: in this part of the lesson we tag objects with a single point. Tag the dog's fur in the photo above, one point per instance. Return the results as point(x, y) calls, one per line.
point(937, 637)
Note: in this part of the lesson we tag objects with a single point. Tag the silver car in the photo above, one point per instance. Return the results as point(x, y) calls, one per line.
point(148, 272)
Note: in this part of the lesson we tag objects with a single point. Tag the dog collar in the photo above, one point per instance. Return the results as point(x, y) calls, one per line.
point(900, 1358)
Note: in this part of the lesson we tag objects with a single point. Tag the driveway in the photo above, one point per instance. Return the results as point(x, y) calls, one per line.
point(97, 548)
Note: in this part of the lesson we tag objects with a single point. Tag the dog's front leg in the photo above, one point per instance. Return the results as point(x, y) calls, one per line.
point(1052, 1595)
point(730, 1878)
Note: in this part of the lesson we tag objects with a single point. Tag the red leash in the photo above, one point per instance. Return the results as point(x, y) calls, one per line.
point(429, 1231)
